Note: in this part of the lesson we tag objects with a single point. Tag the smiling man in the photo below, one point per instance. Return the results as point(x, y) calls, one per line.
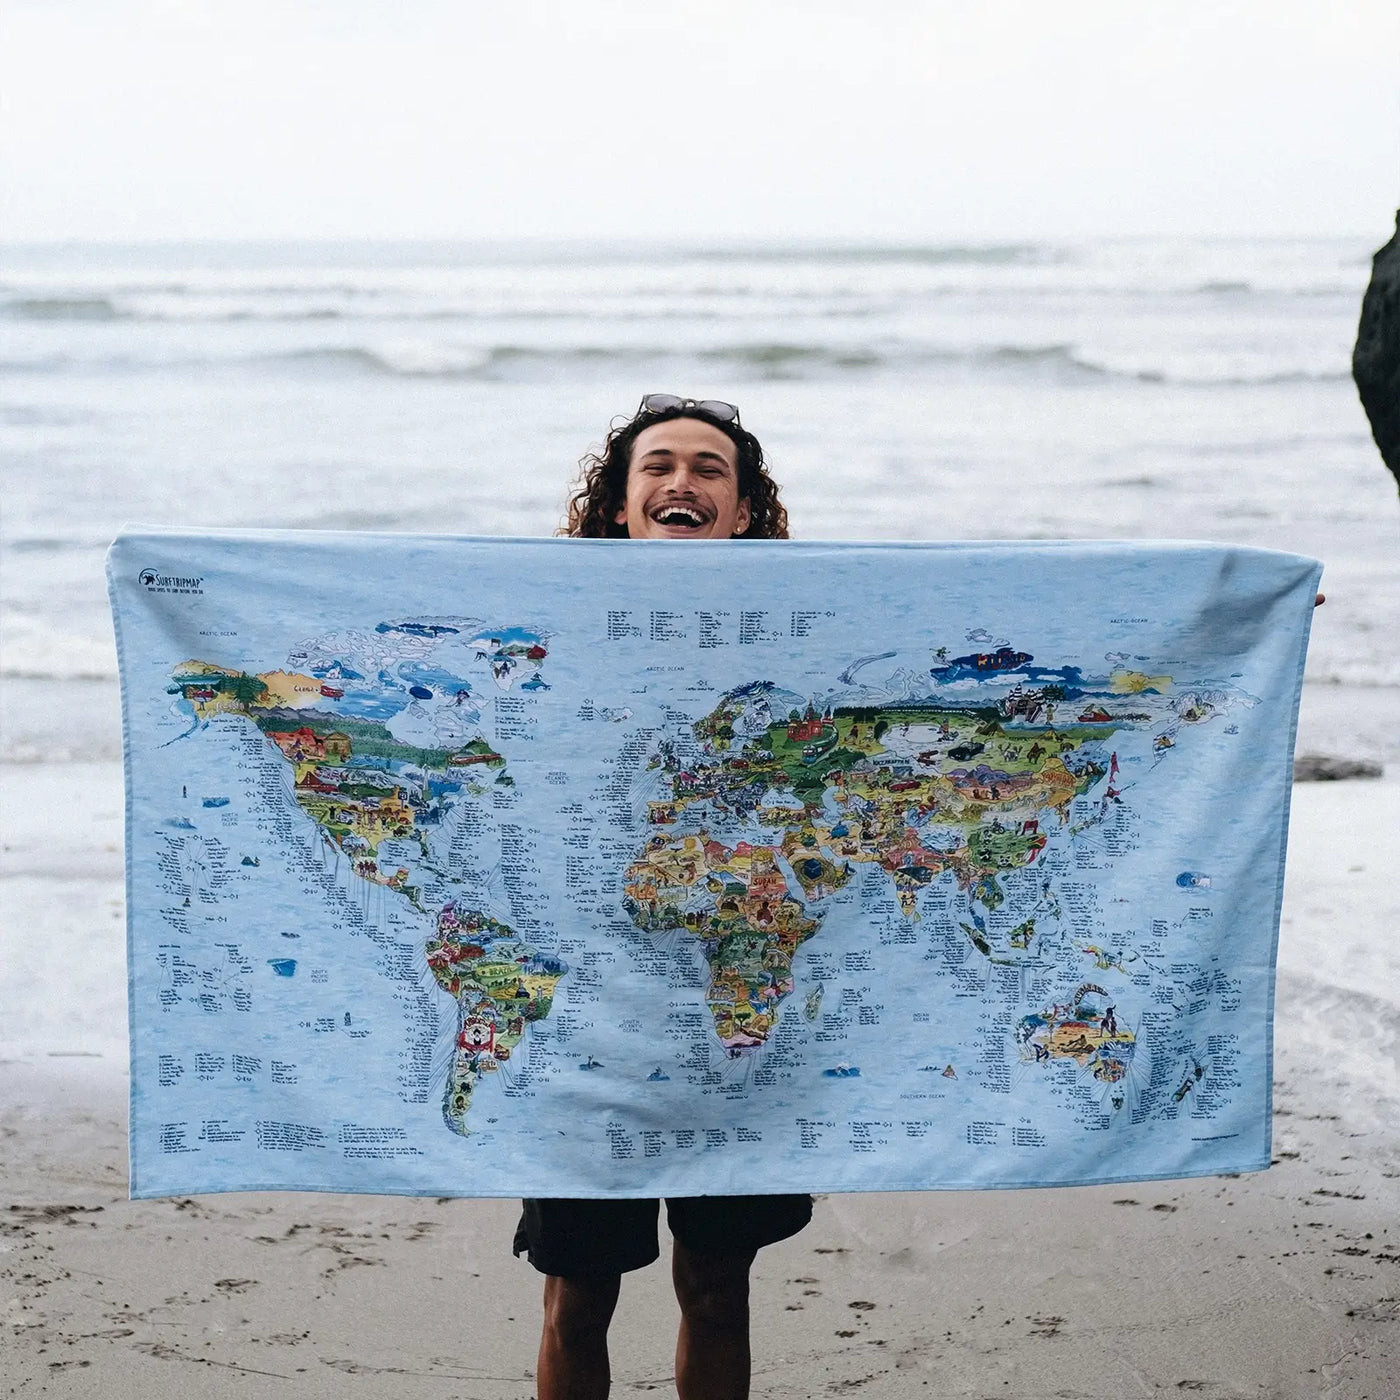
point(683, 483)
point(676, 470)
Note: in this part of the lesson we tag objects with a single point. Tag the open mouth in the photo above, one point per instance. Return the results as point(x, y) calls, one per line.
point(680, 517)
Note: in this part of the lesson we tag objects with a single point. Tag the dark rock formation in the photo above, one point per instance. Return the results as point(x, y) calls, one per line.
point(1375, 363)
point(1325, 768)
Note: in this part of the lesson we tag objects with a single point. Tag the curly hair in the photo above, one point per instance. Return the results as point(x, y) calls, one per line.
point(601, 488)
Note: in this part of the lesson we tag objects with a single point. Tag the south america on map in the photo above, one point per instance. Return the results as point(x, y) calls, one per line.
point(569, 868)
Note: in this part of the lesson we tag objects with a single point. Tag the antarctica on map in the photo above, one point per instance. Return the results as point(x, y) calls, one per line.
point(491, 867)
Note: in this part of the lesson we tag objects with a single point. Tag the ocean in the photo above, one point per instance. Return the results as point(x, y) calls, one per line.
point(1097, 389)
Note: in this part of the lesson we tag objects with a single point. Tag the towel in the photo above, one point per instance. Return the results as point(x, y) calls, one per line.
point(498, 867)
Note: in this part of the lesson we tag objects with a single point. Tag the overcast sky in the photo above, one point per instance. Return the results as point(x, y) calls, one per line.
point(892, 120)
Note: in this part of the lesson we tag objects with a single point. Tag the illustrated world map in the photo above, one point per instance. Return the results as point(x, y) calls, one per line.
point(662, 875)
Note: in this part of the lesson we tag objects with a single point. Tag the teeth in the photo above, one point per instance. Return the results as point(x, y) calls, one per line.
point(679, 515)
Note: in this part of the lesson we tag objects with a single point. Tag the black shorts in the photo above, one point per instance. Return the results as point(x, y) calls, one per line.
point(581, 1239)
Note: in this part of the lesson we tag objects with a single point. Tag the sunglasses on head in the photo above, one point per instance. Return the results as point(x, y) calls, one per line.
point(717, 409)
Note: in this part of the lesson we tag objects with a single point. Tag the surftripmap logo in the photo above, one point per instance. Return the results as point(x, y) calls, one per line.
point(153, 581)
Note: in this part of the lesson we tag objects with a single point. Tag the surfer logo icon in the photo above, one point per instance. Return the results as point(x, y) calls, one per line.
point(153, 581)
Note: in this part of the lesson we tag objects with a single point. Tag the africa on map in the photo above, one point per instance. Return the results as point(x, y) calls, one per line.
point(649, 873)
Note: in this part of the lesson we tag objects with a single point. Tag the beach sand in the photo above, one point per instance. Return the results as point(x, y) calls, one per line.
point(1280, 1284)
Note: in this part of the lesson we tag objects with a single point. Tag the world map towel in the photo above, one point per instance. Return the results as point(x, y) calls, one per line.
point(565, 867)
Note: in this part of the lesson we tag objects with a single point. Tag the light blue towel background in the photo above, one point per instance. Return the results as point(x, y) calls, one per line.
point(332, 1078)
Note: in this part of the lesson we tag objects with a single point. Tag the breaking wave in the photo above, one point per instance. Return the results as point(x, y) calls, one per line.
point(776, 359)
point(432, 358)
point(80, 308)
point(34, 650)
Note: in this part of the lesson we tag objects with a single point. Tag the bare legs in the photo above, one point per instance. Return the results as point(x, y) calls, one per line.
point(712, 1349)
point(573, 1363)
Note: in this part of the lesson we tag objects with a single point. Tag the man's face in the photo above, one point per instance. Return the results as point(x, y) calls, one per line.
point(683, 484)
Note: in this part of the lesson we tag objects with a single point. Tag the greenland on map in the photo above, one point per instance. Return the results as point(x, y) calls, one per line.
point(574, 868)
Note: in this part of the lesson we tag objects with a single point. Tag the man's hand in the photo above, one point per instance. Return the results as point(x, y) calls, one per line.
point(1319, 600)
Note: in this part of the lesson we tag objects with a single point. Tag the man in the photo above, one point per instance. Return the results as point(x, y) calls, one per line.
point(727, 463)
point(676, 470)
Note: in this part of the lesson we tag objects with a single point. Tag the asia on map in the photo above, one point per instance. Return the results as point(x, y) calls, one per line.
point(555, 867)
